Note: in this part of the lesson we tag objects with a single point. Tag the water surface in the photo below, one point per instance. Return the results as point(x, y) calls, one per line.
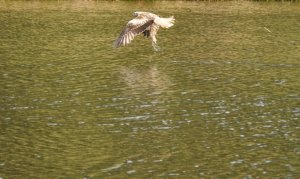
point(221, 99)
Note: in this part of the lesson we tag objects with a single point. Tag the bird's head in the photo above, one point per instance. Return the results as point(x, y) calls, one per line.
point(135, 14)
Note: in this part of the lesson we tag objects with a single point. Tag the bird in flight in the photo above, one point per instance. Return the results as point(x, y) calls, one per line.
point(146, 23)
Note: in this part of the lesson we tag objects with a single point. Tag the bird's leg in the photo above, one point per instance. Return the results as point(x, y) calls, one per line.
point(146, 33)
point(155, 46)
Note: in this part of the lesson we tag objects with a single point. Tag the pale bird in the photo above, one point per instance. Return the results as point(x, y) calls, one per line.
point(146, 23)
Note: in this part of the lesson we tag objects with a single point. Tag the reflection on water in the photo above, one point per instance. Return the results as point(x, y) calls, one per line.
point(221, 98)
point(145, 78)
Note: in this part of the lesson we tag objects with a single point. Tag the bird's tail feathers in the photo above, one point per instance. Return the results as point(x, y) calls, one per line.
point(165, 22)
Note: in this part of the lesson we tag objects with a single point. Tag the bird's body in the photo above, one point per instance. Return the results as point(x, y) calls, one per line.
point(146, 23)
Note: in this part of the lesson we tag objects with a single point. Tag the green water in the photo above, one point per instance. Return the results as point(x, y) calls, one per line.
point(220, 100)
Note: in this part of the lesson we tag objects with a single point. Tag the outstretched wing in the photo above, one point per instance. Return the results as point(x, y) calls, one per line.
point(133, 28)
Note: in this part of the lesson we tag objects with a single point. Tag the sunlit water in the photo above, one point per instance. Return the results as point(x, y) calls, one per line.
point(221, 98)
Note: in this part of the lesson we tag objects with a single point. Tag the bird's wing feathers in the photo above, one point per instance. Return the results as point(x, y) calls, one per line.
point(133, 28)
